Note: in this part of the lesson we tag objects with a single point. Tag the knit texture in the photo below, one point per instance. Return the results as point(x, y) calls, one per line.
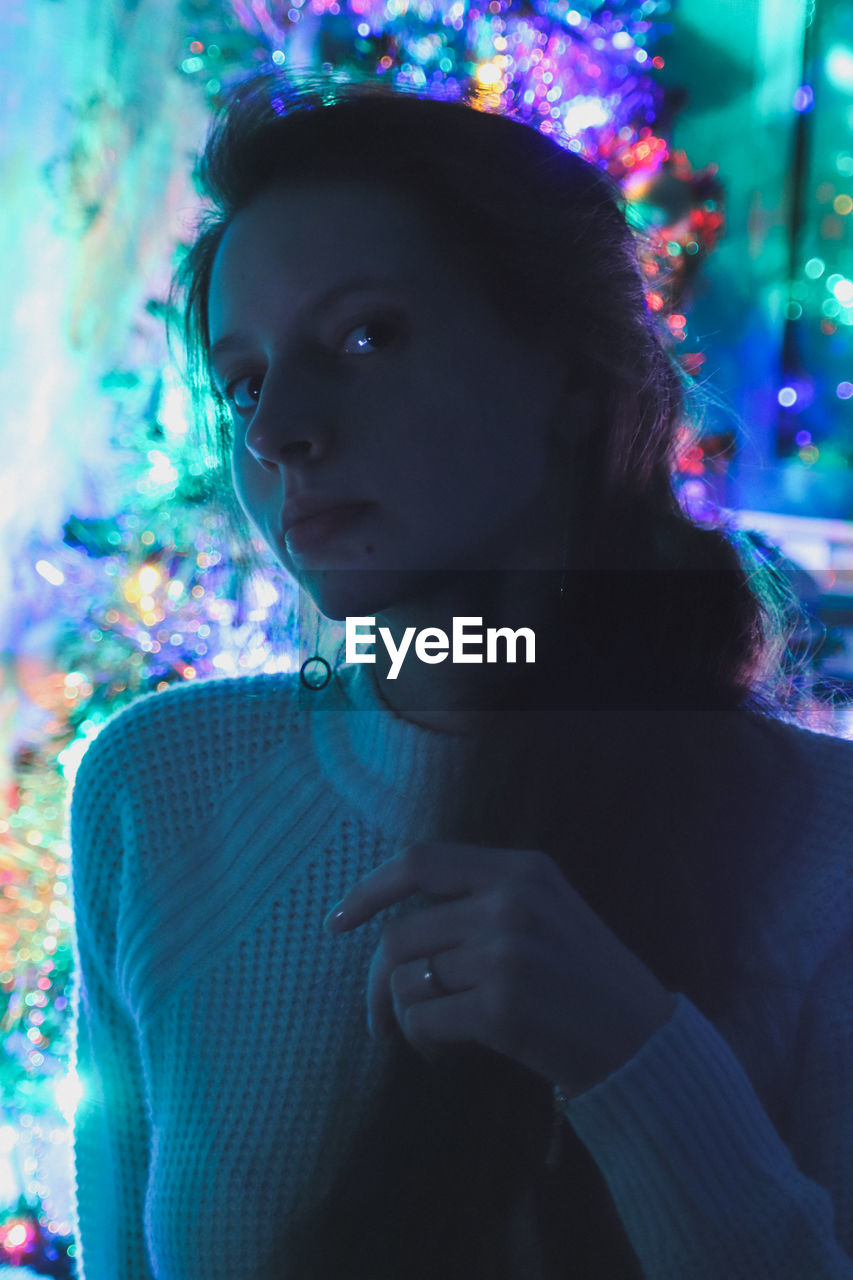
point(212, 828)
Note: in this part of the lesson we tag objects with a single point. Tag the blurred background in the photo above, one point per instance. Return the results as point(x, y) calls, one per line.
point(730, 128)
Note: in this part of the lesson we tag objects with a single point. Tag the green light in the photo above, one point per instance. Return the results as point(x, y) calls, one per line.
point(838, 66)
point(815, 268)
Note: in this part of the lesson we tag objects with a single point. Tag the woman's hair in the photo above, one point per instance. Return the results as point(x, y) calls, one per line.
point(544, 234)
point(660, 604)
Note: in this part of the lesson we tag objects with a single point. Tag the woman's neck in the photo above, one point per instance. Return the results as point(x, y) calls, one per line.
point(457, 694)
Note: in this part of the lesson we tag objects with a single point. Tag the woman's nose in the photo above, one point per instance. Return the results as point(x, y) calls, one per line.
point(272, 448)
point(285, 429)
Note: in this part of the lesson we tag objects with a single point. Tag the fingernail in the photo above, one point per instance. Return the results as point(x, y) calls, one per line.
point(334, 919)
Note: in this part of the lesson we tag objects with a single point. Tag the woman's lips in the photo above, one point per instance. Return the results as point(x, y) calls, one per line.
point(315, 530)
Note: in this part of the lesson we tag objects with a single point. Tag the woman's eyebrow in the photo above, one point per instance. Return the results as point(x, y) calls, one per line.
point(234, 341)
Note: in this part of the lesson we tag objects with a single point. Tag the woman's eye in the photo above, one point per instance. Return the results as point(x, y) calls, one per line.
point(378, 331)
point(366, 336)
point(247, 395)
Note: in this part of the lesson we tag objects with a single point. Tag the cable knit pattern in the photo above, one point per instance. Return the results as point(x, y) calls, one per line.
point(212, 827)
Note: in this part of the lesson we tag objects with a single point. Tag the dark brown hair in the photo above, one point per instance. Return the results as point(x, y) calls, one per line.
point(444, 1151)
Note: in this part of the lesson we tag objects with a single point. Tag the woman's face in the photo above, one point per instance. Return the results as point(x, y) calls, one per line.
point(362, 369)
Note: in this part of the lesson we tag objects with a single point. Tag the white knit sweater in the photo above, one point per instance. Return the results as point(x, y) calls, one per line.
point(213, 826)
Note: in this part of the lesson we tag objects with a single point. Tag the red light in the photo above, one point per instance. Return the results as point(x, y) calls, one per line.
point(692, 460)
point(693, 361)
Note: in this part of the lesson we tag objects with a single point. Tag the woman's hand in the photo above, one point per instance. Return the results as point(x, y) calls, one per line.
point(521, 964)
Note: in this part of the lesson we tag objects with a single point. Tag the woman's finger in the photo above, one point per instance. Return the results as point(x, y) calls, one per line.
point(448, 869)
point(407, 940)
point(429, 1028)
point(493, 1014)
point(424, 979)
point(494, 924)
point(499, 972)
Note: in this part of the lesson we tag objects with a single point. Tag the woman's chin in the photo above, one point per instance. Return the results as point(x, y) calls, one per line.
point(355, 592)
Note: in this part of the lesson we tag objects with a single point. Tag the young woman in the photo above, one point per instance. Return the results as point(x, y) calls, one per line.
point(580, 1006)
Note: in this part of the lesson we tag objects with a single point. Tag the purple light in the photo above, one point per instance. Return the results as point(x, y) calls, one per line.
point(803, 437)
point(844, 390)
point(804, 98)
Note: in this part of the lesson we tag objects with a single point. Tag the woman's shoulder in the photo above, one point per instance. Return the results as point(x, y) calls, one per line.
point(798, 747)
point(223, 700)
point(816, 739)
point(814, 761)
point(811, 886)
point(162, 761)
point(226, 717)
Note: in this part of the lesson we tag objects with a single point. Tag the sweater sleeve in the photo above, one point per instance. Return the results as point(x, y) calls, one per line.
point(111, 1132)
point(704, 1184)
